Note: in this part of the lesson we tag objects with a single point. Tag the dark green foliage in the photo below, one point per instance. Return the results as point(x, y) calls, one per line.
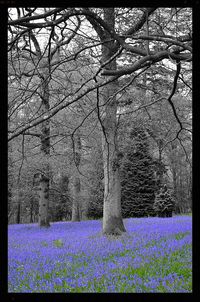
point(137, 177)
point(164, 203)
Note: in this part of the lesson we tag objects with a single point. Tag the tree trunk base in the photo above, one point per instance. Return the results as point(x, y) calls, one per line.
point(44, 223)
point(114, 226)
point(75, 215)
point(75, 220)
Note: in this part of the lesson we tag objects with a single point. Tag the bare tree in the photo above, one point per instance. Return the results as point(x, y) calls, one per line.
point(112, 217)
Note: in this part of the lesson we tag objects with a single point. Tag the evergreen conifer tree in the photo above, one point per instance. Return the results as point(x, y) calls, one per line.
point(164, 203)
point(137, 177)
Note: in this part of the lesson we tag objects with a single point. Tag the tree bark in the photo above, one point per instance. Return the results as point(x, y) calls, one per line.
point(45, 149)
point(112, 217)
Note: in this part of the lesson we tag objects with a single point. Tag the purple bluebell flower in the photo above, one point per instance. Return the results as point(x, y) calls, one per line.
point(150, 257)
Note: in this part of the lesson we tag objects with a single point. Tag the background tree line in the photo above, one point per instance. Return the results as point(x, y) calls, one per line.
point(99, 114)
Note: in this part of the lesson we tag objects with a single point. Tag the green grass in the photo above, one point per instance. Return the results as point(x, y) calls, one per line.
point(58, 243)
point(160, 267)
point(179, 236)
point(176, 262)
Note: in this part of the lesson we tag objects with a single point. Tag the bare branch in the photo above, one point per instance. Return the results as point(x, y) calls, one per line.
point(32, 134)
point(146, 61)
point(23, 20)
point(144, 106)
point(172, 93)
point(35, 42)
point(95, 21)
point(63, 42)
point(59, 107)
point(141, 22)
point(165, 39)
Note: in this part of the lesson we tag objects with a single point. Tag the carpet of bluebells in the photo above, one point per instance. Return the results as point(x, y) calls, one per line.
point(154, 255)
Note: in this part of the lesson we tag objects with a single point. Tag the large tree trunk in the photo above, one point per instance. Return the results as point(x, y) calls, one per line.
point(112, 217)
point(45, 148)
point(76, 215)
point(84, 209)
